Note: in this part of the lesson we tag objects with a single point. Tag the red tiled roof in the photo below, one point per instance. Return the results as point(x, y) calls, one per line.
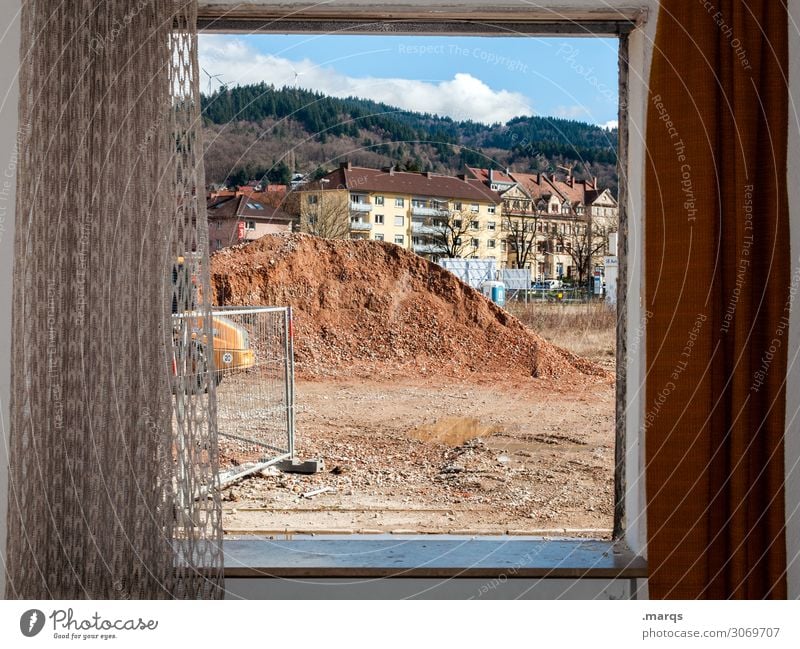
point(427, 185)
point(537, 185)
point(496, 176)
point(246, 206)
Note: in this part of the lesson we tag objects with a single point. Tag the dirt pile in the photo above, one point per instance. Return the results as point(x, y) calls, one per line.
point(375, 309)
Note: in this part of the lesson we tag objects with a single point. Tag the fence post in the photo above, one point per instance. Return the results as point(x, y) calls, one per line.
point(289, 371)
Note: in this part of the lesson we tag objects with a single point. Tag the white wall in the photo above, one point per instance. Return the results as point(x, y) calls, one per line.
point(9, 95)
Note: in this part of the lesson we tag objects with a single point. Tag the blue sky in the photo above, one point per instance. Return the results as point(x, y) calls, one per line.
point(484, 79)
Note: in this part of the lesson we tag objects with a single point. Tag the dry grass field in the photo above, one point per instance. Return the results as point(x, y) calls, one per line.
point(588, 330)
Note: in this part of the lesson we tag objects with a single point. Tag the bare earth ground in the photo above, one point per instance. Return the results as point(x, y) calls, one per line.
point(488, 455)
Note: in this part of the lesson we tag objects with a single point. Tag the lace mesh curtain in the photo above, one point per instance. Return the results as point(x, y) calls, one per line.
point(113, 485)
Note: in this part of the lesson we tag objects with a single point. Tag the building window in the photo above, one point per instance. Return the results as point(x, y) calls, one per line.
point(457, 241)
point(379, 200)
point(378, 237)
point(219, 244)
point(379, 219)
point(457, 207)
point(313, 199)
point(475, 243)
point(399, 221)
point(492, 243)
point(250, 225)
point(560, 270)
point(490, 225)
point(491, 209)
point(457, 223)
point(474, 207)
point(399, 239)
point(473, 225)
point(399, 202)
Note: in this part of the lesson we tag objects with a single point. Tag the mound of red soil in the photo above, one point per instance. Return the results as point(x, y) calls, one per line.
point(373, 308)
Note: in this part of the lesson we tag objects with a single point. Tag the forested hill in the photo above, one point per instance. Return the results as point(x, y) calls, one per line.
point(250, 131)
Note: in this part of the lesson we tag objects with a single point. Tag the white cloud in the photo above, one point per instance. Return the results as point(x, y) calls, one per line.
point(462, 97)
point(610, 124)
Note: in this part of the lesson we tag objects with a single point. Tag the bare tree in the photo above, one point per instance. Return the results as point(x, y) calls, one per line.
point(326, 214)
point(522, 237)
point(453, 232)
point(583, 241)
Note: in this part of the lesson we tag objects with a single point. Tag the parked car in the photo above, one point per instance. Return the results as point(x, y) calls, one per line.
point(548, 285)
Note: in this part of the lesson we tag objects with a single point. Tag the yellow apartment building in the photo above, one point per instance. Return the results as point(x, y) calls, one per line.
point(433, 215)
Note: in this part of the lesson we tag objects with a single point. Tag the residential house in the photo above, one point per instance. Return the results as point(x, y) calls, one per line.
point(552, 225)
point(434, 215)
point(238, 217)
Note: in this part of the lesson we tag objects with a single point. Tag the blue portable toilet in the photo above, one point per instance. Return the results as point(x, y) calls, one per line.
point(494, 291)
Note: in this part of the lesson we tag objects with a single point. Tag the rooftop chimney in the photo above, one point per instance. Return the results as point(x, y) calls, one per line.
point(491, 175)
point(391, 170)
point(594, 182)
point(346, 165)
point(428, 174)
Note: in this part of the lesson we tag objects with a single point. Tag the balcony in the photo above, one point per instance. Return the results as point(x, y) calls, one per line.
point(429, 210)
point(428, 249)
point(422, 228)
point(360, 207)
point(358, 226)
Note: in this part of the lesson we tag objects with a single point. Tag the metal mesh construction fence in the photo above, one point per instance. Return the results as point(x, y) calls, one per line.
point(253, 371)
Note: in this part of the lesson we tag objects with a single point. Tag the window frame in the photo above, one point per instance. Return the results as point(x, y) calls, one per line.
point(597, 20)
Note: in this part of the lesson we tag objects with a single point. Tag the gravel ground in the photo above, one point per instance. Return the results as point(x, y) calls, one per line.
point(482, 456)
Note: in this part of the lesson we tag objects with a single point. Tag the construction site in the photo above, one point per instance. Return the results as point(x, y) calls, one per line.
point(421, 406)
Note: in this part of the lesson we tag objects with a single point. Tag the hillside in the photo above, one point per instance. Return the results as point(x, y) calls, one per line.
point(258, 130)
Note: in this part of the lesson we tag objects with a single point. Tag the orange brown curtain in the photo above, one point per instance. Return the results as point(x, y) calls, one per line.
point(718, 285)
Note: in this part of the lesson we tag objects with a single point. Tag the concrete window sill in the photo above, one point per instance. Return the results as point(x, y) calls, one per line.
point(429, 557)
